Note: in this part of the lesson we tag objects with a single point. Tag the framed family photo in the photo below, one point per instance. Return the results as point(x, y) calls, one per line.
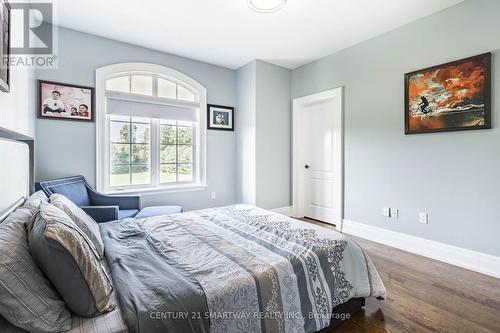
point(220, 117)
point(4, 45)
point(65, 101)
point(455, 96)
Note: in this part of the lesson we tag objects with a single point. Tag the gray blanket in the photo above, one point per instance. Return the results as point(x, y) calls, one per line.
point(155, 293)
point(233, 269)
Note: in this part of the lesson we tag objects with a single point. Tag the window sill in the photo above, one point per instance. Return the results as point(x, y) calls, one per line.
point(160, 189)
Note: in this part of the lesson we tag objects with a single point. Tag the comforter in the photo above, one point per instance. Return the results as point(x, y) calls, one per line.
point(233, 269)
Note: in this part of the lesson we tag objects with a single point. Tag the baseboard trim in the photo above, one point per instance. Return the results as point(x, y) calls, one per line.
point(457, 256)
point(283, 210)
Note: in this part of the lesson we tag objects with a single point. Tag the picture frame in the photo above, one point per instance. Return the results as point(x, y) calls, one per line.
point(455, 96)
point(63, 101)
point(220, 117)
point(5, 26)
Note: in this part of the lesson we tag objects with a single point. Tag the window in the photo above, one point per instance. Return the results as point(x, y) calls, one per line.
point(176, 151)
point(130, 143)
point(149, 129)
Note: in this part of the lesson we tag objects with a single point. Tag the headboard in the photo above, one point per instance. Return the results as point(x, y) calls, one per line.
point(17, 170)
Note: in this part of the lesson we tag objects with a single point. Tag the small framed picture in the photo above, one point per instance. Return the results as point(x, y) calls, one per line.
point(65, 101)
point(220, 117)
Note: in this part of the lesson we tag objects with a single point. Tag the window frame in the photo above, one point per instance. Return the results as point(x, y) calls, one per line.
point(103, 163)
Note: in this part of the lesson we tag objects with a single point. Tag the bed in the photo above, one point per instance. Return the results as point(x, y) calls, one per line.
point(228, 269)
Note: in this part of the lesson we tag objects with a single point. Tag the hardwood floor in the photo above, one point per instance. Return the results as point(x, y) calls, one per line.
point(426, 295)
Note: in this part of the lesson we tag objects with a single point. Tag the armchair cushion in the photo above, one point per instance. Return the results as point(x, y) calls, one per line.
point(158, 210)
point(126, 213)
point(102, 213)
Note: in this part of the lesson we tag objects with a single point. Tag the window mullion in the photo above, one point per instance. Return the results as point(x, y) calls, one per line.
point(155, 152)
point(107, 154)
point(155, 85)
point(176, 151)
point(130, 151)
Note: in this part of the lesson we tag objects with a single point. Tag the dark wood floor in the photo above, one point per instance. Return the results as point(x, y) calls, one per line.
point(426, 295)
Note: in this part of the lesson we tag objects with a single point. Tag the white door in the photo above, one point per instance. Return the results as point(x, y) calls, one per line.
point(318, 185)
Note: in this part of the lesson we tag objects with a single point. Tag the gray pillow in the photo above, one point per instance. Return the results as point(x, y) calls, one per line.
point(35, 200)
point(70, 261)
point(7, 327)
point(27, 299)
point(86, 223)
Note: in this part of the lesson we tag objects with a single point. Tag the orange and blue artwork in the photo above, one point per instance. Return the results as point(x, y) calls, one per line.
point(449, 97)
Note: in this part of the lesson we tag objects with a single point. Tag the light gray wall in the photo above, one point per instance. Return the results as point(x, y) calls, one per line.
point(245, 133)
point(263, 135)
point(273, 119)
point(68, 147)
point(455, 176)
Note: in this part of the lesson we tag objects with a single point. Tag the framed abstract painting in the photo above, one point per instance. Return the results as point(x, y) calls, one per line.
point(455, 96)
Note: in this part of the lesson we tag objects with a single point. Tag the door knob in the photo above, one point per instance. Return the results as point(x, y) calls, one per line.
point(306, 166)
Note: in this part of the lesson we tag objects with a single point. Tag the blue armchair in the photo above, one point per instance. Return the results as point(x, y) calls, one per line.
point(102, 208)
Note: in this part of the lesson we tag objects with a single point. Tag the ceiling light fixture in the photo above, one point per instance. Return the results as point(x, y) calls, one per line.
point(266, 6)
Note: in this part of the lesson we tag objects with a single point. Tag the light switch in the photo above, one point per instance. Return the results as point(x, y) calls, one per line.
point(423, 218)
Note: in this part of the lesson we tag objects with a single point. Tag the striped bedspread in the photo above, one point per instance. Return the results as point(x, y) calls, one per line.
point(264, 272)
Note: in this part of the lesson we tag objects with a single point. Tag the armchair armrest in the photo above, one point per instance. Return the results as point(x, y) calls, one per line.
point(124, 202)
point(101, 213)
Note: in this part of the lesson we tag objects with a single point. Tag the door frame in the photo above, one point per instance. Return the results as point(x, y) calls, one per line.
point(336, 94)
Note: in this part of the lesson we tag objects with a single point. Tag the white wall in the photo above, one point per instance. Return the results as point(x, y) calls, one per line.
point(17, 113)
point(17, 108)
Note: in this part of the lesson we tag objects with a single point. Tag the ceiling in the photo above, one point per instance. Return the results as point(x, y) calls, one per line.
point(229, 34)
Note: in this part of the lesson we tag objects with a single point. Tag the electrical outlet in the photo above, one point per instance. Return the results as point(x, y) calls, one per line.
point(394, 213)
point(386, 212)
point(213, 195)
point(423, 218)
